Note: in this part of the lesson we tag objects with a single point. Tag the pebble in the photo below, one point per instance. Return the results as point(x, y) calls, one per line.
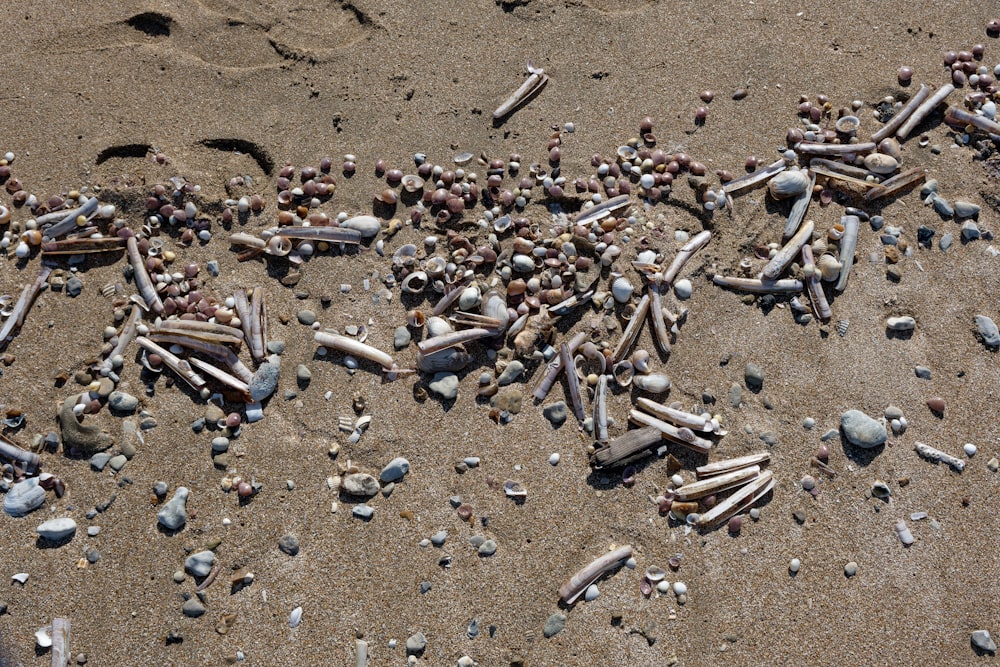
point(360, 484)
point(591, 593)
point(554, 625)
point(173, 515)
point(735, 396)
point(445, 385)
point(510, 373)
point(944, 209)
point(395, 470)
point(471, 461)
point(988, 331)
point(416, 643)
point(993, 464)
point(753, 375)
point(970, 449)
point(275, 347)
point(118, 462)
point(808, 423)
point(306, 317)
point(401, 337)
point(193, 608)
point(57, 530)
point(861, 430)
point(265, 379)
point(200, 564)
point(683, 289)
point(74, 286)
point(99, 460)
point(936, 405)
point(970, 231)
point(981, 639)
point(964, 209)
point(24, 497)
point(302, 374)
point(850, 569)
point(363, 512)
point(680, 588)
point(554, 459)
point(487, 548)
point(160, 489)
point(900, 323)
point(922, 372)
point(438, 539)
point(93, 531)
point(289, 544)
point(794, 565)
point(946, 241)
point(555, 413)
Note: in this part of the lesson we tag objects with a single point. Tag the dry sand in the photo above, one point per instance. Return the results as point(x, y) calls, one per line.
point(381, 79)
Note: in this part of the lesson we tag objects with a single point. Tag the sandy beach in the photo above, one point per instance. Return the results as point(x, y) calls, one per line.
point(117, 98)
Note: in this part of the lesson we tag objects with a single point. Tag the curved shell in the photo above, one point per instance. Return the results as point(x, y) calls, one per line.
point(451, 359)
point(514, 489)
point(655, 383)
point(622, 289)
point(438, 326)
point(623, 373)
point(848, 124)
point(279, 246)
point(836, 232)
point(788, 184)
point(435, 266)
point(415, 318)
point(829, 267)
point(414, 283)
point(640, 360)
point(880, 163)
point(412, 183)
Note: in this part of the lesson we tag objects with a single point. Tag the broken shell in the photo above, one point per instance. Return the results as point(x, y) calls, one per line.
point(415, 318)
point(623, 372)
point(514, 489)
point(414, 283)
point(279, 246)
point(412, 183)
point(848, 124)
point(640, 361)
point(788, 184)
point(880, 490)
point(435, 267)
point(655, 573)
point(836, 232)
point(880, 163)
point(655, 383)
point(829, 267)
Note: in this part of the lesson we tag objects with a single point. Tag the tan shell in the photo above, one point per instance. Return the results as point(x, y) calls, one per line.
point(788, 184)
point(829, 267)
point(880, 163)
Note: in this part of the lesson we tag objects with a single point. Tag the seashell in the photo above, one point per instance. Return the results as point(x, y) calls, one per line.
point(655, 573)
point(836, 232)
point(622, 289)
point(450, 359)
point(469, 298)
point(57, 530)
point(24, 497)
point(514, 489)
point(436, 267)
point(295, 617)
point(640, 360)
point(880, 163)
point(438, 326)
point(655, 383)
point(829, 267)
point(367, 225)
point(623, 373)
point(880, 490)
point(414, 283)
point(627, 153)
point(279, 246)
point(788, 184)
point(415, 318)
point(412, 183)
point(848, 124)
point(646, 257)
point(502, 224)
point(890, 147)
point(42, 637)
point(6, 305)
point(842, 326)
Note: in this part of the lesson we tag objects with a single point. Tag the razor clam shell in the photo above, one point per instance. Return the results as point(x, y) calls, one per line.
point(728, 465)
point(449, 359)
point(783, 286)
point(889, 128)
point(681, 436)
point(602, 210)
point(679, 417)
point(716, 484)
point(746, 495)
point(626, 446)
point(923, 110)
point(570, 591)
point(847, 245)
point(632, 330)
point(435, 343)
point(351, 346)
point(788, 252)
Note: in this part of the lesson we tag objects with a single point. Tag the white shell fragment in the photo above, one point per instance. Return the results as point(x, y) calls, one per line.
point(788, 184)
point(42, 637)
point(903, 532)
point(295, 617)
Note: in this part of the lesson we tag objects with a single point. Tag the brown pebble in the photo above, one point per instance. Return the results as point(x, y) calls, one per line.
point(936, 405)
point(736, 524)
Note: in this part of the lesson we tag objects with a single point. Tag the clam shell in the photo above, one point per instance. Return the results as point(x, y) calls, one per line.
point(279, 246)
point(438, 326)
point(414, 283)
point(623, 372)
point(24, 497)
point(450, 359)
point(829, 267)
point(412, 183)
point(848, 124)
point(655, 573)
point(880, 163)
point(788, 184)
point(622, 289)
point(655, 383)
point(367, 225)
point(436, 266)
point(514, 489)
point(640, 360)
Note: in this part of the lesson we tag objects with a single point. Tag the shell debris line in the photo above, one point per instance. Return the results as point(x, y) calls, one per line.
point(524, 277)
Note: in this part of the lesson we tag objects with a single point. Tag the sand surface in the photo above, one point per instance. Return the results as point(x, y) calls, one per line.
point(93, 90)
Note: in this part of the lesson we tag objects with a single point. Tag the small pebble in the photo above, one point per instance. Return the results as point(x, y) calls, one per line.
point(74, 286)
point(487, 548)
point(306, 317)
point(683, 288)
point(122, 403)
point(444, 385)
point(193, 608)
point(555, 413)
point(850, 569)
point(988, 331)
point(970, 449)
point(753, 375)
point(861, 430)
point(923, 372)
point(554, 459)
point(438, 538)
point(289, 544)
point(303, 374)
point(794, 565)
point(554, 625)
point(200, 564)
point(680, 588)
point(936, 405)
point(401, 337)
point(981, 639)
point(395, 470)
point(363, 512)
point(416, 643)
point(808, 423)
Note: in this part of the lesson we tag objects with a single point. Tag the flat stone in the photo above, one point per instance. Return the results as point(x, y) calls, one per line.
point(510, 400)
point(74, 286)
point(981, 639)
point(193, 608)
point(444, 385)
point(289, 544)
point(438, 538)
point(306, 317)
point(360, 484)
point(861, 430)
point(173, 515)
point(556, 413)
point(946, 241)
point(988, 331)
point(99, 460)
point(944, 209)
point(401, 337)
point(122, 403)
point(24, 497)
point(57, 530)
point(416, 643)
point(510, 373)
point(487, 548)
point(367, 225)
point(753, 375)
point(735, 396)
point(395, 470)
point(200, 564)
point(922, 372)
point(118, 462)
point(554, 625)
point(965, 209)
point(769, 438)
point(220, 444)
point(363, 512)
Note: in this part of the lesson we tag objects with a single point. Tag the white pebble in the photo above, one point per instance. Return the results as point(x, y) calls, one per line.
point(682, 288)
point(677, 480)
point(970, 449)
point(630, 563)
point(794, 565)
point(295, 617)
point(591, 593)
point(663, 586)
point(680, 588)
point(22, 250)
point(554, 458)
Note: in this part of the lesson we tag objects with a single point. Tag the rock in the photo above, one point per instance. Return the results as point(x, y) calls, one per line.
point(367, 225)
point(363, 512)
point(555, 413)
point(416, 643)
point(87, 440)
point(401, 337)
point(173, 515)
point(118, 462)
point(99, 460)
point(922, 372)
point(213, 413)
point(683, 289)
point(735, 396)
point(395, 470)
point(554, 625)
point(302, 374)
point(444, 385)
point(200, 564)
point(74, 286)
point(307, 317)
point(487, 548)
point(753, 375)
point(122, 403)
point(965, 209)
point(944, 209)
point(24, 497)
point(193, 608)
point(981, 639)
point(970, 231)
point(925, 235)
point(57, 530)
point(160, 489)
point(510, 400)
point(265, 380)
point(289, 544)
point(946, 241)
point(360, 484)
point(861, 430)
point(988, 331)
point(900, 324)
point(220, 444)
point(850, 569)
point(438, 538)
point(510, 373)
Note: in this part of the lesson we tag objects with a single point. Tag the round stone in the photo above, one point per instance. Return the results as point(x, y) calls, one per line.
point(794, 565)
point(289, 544)
point(395, 470)
point(487, 548)
point(680, 588)
point(307, 317)
point(200, 564)
point(444, 385)
point(193, 608)
point(851, 569)
point(554, 458)
point(861, 430)
point(554, 625)
point(416, 643)
point(970, 449)
point(302, 373)
point(57, 530)
point(121, 402)
point(683, 288)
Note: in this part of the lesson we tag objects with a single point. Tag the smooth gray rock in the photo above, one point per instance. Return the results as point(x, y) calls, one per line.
point(193, 608)
point(510, 373)
point(401, 337)
point(444, 385)
point(922, 372)
point(981, 639)
point(99, 460)
point(988, 331)
point(861, 430)
point(487, 548)
point(306, 317)
point(289, 544)
point(438, 538)
point(57, 530)
point(753, 375)
point(735, 396)
point(416, 643)
point(200, 564)
point(265, 380)
point(965, 209)
point(359, 484)
point(122, 403)
point(946, 241)
point(555, 413)
point(303, 374)
point(173, 515)
point(364, 512)
point(395, 470)
point(554, 625)
point(970, 231)
point(24, 497)
point(118, 462)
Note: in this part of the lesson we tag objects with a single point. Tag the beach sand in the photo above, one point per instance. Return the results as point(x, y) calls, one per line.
point(93, 90)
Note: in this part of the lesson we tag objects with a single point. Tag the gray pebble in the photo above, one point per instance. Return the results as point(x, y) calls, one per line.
point(770, 438)
point(147, 423)
point(554, 625)
point(510, 373)
point(922, 372)
point(862, 430)
point(981, 639)
point(438, 538)
point(173, 515)
point(988, 331)
point(118, 462)
point(876, 221)
point(193, 608)
point(893, 412)
point(829, 435)
point(929, 188)
point(445, 385)
point(93, 531)
point(388, 489)
point(944, 209)
point(179, 576)
point(99, 460)
point(57, 530)
point(275, 347)
point(289, 544)
point(395, 470)
point(455, 501)
point(735, 395)
point(213, 267)
point(200, 564)
point(123, 403)
point(425, 586)
point(307, 317)
point(93, 555)
point(303, 374)
point(401, 338)
point(416, 643)
point(753, 375)
point(74, 286)
point(360, 484)
point(128, 450)
point(965, 209)
point(808, 423)
point(946, 241)
point(363, 512)
point(471, 461)
point(198, 425)
point(367, 225)
point(555, 413)
point(477, 541)
point(487, 548)
point(970, 231)
point(851, 569)
point(160, 489)
point(220, 444)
